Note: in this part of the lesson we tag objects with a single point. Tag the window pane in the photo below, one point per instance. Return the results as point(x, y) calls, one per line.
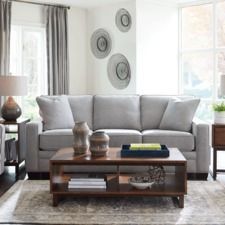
point(197, 27)
point(204, 111)
point(220, 16)
point(31, 43)
point(197, 77)
point(220, 71)
point(28, 58)
point(15, 53)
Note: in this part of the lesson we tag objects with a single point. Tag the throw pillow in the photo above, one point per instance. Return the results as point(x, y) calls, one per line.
point(179, 114)
point(55, 112)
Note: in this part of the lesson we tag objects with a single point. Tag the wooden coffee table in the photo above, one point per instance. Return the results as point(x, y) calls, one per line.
point(175, 184)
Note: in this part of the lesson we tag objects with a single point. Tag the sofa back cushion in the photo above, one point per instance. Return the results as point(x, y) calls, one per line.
point(117, 112)
point(82, 108)
point(152, 110)
point(55, 112)
point(179, 114)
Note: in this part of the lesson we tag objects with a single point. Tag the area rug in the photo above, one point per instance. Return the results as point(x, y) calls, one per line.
point(30, 202)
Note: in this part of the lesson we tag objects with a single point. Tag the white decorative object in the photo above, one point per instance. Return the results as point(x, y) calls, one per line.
point(119, 72)
point(219, 117)
point(123, 20)
point(141, 181)
point(101, 43)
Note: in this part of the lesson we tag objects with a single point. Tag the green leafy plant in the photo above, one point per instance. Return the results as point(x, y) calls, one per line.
point(219, 107)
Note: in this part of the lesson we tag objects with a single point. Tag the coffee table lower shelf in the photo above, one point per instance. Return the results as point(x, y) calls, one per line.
point(119, 186)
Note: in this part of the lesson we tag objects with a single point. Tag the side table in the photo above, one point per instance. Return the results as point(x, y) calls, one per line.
point(20, 130)
point(218, 144)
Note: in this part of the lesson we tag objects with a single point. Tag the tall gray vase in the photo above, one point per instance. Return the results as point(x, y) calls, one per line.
point(81, 137)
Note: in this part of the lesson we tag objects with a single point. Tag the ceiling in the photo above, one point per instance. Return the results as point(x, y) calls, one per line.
point(95, 3)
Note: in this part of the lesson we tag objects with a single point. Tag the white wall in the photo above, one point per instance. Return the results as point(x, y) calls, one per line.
point(77, 27)
point(27, 13)
point(77, 37)
point(157, 47)
point(124, 43)
point(151, 45)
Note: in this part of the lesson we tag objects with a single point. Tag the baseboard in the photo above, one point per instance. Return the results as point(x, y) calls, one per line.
point(197, 176)
point(38, 175)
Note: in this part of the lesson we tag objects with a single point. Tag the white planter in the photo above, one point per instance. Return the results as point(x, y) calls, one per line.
point(219, 117)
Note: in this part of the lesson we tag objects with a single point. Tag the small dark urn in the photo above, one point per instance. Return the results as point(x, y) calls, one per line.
point(99, 143)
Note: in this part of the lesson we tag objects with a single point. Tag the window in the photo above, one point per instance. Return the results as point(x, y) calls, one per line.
point(28, 58)
point(202, 53)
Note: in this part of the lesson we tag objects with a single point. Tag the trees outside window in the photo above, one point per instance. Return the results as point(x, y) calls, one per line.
point(28, 58)
point(202, 53)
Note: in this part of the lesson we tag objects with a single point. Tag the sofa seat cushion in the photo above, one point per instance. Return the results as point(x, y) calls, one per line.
point(119, 137)
point(179, 139)
point(55, 139)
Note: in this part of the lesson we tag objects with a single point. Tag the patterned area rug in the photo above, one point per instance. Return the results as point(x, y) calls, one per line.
point(31, 202)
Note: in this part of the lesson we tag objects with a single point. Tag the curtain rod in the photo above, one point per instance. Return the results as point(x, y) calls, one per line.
point(40, 3)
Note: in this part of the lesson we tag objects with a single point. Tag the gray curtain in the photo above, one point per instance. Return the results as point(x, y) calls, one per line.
point(57, 50)
point(5, 25)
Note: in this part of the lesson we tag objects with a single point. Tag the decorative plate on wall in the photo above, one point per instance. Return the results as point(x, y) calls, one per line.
point(101, 43)
point(123, 20)
point(119, 72)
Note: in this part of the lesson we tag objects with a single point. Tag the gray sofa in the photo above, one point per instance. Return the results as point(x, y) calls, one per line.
point(126, 119)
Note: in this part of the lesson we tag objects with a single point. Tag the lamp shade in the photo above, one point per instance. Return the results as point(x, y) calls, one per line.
point(13, 85)
point(222, 85)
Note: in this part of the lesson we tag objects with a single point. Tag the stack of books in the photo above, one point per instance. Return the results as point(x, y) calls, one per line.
point(153, 150)
point(10, 150)
point(87, 183)
point(148, 146)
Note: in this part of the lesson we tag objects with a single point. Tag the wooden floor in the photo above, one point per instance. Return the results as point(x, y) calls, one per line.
point(7, 179)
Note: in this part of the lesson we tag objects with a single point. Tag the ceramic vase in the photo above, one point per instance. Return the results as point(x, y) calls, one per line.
point(81, 137)
point(99, 143)
point(219, 117)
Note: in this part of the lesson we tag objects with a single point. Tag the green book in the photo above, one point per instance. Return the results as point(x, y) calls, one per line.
point(146, 146)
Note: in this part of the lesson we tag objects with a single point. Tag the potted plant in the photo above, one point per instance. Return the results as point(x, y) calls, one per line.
point(219, 112)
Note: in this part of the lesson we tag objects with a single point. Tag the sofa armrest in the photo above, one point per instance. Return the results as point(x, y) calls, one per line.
point(33, 129)
point(2, 148)
point(201, 132)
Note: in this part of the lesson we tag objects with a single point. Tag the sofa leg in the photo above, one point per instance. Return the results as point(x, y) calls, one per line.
point(38, 175)
point(197, 176)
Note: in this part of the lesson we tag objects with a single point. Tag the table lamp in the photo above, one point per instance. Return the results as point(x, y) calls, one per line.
point(12, 86)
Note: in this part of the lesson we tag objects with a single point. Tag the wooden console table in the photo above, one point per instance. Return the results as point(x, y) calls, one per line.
point(218, 144)
point(175, 184)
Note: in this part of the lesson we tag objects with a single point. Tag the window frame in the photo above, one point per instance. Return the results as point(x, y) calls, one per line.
point(22, 28)
point(214, 50)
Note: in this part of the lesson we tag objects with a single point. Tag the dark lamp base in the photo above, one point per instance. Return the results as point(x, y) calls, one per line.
point(10, 110)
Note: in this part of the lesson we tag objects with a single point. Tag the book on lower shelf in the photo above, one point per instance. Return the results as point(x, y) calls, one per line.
point(87, 186)
point(10, 150)
point(87, 183)
point(87, 179)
